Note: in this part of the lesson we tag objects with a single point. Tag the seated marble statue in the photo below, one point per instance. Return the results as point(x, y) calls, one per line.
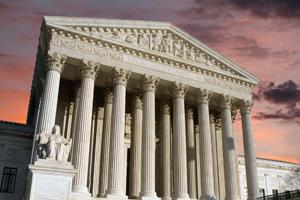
point(53, 146)
point(58, 147)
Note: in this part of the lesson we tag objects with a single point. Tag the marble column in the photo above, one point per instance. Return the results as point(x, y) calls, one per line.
point(191, 154)
point(233, 116)
point(207, 176)
point(179, 143)
point(108, 104)
point(148, 139)
point(228, 151)
point(198, 166)
point(98, 148)
point(55, 64)
point(220, 160)
point(165, 147)
point(214, 155)
point(116, 167)
point(250, 158)
point(136, 149)
point(83, 126)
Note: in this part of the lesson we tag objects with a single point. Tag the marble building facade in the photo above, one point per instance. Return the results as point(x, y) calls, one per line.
point(94, 77)
point(150, 110)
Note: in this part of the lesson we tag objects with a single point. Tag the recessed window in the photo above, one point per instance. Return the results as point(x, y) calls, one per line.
point(8, 180)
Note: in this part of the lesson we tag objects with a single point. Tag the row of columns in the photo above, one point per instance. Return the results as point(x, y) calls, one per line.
point(115, 107)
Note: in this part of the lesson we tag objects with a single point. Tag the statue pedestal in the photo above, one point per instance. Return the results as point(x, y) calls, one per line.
point(49, 179)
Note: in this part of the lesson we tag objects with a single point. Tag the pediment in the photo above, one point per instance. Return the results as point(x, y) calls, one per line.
point(159, 38)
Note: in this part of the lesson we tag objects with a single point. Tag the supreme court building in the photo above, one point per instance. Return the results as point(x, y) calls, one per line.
point(149, 110)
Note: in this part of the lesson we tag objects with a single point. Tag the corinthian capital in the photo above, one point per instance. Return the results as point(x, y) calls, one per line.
point(56, 61)
point(150, 83)
point(179, 90)
point(121, 76)
point(89, 69)
point(226, 102)
point(137, 102)
point(204, 96)
point(246, 107)
point(189, 113)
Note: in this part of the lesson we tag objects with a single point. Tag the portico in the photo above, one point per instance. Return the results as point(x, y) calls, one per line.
point(141, 88)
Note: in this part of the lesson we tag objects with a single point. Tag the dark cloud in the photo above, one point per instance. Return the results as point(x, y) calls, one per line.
point(269, 8)
point(288, 115)
point(259, 8)
point(286, 93)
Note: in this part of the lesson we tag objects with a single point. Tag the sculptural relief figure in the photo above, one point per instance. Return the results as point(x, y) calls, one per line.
point(156, 41)
point(58, 147)
point(190, 54)
point(167, 43)
point(131, 39)
point(53, 145)
point(144, 40)
point(177, 48)
point(200, 58)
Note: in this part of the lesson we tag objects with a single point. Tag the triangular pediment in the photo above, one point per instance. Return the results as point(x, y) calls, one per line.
point(163, 39)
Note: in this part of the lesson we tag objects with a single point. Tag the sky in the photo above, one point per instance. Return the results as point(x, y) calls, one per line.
point(262, 36)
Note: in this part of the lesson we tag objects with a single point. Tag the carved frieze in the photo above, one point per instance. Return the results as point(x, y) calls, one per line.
point(160, 41)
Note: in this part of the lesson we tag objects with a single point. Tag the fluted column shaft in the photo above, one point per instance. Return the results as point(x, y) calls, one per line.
point(98, 148)
point(179, 144)
point(116, 159)
point(148, 138)
point(191, 154)
point(48, 107)
point(166, 151)
point(214, 155)
point(136, 149)
point(108, 104)
point(228, 152)
point(83, 126)
point(206, 163)
point(249, 151)
point(198, 166)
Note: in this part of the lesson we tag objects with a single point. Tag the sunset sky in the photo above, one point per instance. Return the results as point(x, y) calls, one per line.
point(263, 36)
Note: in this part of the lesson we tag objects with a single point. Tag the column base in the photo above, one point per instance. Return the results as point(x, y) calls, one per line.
point(116, 197)
point(166, 198)
point(183, 196)
point(208, 197)
point(235, 197)
point(149, 198)
point(81, 196)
